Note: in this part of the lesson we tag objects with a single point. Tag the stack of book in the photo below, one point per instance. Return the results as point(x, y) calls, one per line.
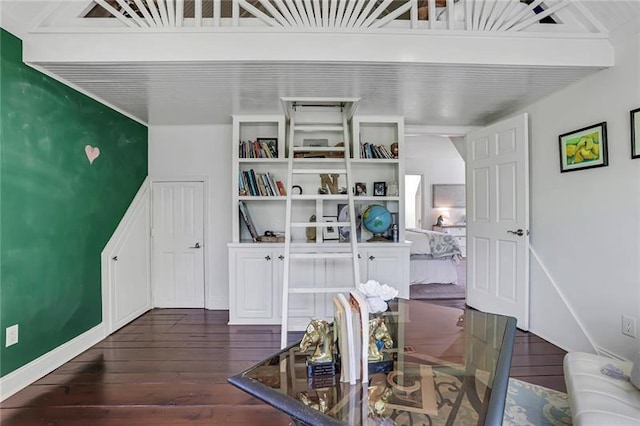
point(258, 149)
point(259, 184)
point(369, 150)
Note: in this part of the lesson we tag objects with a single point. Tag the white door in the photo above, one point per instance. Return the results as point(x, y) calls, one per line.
point(497, 176)
point(178, 254)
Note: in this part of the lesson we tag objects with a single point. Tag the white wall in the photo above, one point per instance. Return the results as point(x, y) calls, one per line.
point(585, 225)
point(201, 151)
point(438, 161)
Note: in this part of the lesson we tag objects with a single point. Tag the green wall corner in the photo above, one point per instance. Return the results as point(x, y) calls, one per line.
point(57, 211)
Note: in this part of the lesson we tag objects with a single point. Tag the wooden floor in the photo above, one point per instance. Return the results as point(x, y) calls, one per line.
point(169, 367)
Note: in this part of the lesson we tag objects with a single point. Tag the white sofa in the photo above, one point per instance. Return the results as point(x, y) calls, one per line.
point(597, 399)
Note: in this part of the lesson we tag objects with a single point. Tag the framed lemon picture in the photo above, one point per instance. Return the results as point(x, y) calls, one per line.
point(584, 148)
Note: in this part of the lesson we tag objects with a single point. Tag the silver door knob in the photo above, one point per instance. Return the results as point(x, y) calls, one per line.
point(197, 246)
point(518, 232)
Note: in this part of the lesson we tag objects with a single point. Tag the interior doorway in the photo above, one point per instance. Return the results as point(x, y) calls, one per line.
point(435, 160)
point(178, 244)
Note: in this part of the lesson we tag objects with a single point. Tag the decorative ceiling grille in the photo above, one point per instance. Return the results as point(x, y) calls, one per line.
point(481, 15)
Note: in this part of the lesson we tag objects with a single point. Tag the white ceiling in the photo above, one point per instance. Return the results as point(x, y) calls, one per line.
point(426, 94)
point(209, 92)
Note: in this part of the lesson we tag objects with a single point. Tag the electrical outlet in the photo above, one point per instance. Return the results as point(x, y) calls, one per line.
point(628, 326)
point(12, 335)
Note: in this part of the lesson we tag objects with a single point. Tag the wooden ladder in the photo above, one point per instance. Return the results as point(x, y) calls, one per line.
point(335, 165)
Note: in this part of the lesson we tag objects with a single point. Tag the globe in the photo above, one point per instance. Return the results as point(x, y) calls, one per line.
point(377, 219)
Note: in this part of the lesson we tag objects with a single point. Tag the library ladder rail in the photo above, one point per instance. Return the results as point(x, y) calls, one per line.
point(313, 117)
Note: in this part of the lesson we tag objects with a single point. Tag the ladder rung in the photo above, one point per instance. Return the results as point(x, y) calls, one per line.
point(319, 224)
point(320, 197)
point(318, 171)
point(321, 290)
point(321, 255)
point(319, 149)
point(318, 128)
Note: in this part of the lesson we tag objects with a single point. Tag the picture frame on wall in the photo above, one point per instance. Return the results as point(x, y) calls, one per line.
point(585, 148)
point(448, 195)
point(635, 133)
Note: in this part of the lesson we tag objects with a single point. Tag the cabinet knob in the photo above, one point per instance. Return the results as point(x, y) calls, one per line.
point(359, 257)
point(115, 258)
point(267, 257)
point(372, 257)
point(281, 257)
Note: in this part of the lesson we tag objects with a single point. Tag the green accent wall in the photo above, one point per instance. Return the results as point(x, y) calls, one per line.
point(57, 211)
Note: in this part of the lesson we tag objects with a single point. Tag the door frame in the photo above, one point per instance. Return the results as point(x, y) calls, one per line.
point(205, 228)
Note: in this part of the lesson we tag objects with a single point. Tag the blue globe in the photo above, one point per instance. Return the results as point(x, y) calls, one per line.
point(377, 219)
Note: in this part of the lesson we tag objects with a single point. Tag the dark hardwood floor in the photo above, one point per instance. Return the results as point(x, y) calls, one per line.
point(169, 367)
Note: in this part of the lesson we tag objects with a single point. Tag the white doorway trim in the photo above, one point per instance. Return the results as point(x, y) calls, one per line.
point(206, 240)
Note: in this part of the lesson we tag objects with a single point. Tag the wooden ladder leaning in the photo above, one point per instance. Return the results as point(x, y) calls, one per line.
point(313, 117)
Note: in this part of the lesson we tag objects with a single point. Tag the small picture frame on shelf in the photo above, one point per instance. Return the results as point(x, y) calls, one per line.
point(270, 144)
point(330, 232)
point(379, 189)
point(360, 189)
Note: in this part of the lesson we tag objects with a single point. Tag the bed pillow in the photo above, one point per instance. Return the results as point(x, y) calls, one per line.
point(419, 241)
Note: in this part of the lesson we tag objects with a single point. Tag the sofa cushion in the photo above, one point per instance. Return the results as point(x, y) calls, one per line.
point(597, 399)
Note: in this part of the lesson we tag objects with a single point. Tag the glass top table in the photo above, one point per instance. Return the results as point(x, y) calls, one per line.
point(450, 367)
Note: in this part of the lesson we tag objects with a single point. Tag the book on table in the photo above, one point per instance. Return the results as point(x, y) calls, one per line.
point(352, 342)
point(361, 309)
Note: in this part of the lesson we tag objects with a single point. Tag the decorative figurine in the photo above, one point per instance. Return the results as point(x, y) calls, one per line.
point(378, 397)
point(319, 333)
point(394, 149)
point(379, 337)
point(329, 182)
point(322, 405)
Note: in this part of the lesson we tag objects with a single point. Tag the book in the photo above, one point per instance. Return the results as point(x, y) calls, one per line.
point(340, 338)
point(252, 182)
point(262, 190)
point(281, 189)
point(350, 361)
point(246, 217)
point(361, 309)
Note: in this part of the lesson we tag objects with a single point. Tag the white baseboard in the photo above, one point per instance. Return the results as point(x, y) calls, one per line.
point(40, 367)
point(609, 354)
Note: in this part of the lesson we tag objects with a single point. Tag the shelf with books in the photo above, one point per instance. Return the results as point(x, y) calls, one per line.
point(259, 174)
point(378, 138)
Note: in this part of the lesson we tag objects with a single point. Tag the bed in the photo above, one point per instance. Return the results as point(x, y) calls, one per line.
point(434, 256)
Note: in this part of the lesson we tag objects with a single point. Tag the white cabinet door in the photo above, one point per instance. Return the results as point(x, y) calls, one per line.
point(303, 275)
point(388, 265)
point(253, 292)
